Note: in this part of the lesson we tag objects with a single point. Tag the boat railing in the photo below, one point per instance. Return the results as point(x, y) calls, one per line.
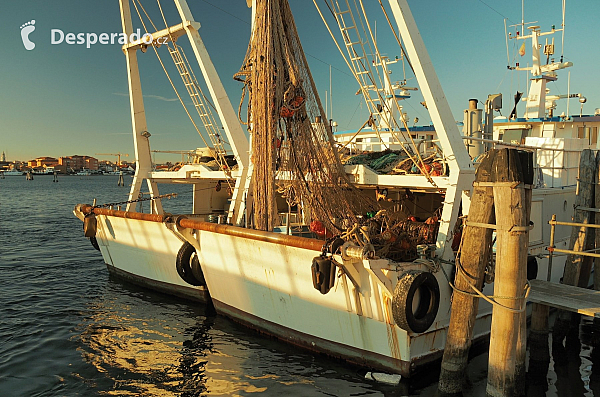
point(425, 146)
point(553, 167)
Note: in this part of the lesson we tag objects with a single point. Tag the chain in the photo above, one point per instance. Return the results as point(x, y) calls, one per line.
point(167, 196)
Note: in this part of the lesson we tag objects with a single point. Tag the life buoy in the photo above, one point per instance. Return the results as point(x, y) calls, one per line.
point(188, 265)
point(416, 301)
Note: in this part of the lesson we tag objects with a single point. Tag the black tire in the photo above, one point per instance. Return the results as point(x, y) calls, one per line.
point(532, 268)
point(94, 243)
point(416, 319)
point(188, 265)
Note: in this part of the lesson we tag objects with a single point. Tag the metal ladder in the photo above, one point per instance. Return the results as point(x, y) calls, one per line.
point(359, 62)
point(208, 119)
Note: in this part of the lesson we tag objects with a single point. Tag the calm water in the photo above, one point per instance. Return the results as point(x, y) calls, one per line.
point(68, 329)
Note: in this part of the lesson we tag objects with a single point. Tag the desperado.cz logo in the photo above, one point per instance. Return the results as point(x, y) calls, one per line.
point(57, 36)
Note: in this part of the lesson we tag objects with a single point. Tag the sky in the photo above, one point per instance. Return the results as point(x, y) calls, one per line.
point(60, 99)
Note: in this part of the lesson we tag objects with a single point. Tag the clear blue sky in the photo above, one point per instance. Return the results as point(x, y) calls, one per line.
point(64, 99)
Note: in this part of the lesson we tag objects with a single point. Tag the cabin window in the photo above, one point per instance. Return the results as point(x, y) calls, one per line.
point(581, 133)
point(594, 135)
point(414, 136)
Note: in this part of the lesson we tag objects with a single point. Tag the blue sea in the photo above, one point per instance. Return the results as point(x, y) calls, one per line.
point(67, 328)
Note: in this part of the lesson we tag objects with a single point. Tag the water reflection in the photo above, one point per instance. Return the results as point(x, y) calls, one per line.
point(571, 368)
point(144, 344)
point(141, 343)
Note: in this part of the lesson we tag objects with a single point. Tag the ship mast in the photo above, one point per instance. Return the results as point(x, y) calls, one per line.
point(541, 73)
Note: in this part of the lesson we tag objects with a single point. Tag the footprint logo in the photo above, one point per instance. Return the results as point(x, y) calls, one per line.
point(26, 30)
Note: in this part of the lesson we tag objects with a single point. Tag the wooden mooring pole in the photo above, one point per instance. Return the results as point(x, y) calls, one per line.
point(577, 268)
point(597, 235)
point(475, 254)
point(507, 340)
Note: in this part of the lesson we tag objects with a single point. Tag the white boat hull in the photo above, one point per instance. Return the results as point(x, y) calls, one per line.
point(268, 286)
point(144, 253)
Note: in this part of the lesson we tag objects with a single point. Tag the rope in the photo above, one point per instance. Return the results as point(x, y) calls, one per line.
point(479, 294)
point(418, 162)
point(167, 196)
point(167, 73)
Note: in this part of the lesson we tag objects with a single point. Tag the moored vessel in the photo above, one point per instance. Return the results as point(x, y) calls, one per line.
point(374, 288)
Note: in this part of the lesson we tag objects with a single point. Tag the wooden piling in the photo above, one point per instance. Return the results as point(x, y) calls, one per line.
point(475, 254)
point(526, 161)
point(512, 233)
point(597, 235)
point(580, 239)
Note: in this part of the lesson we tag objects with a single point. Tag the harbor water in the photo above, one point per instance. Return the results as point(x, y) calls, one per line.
point(67, 328)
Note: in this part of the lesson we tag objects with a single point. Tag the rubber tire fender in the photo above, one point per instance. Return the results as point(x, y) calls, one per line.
point(409, 283)
point(189, 268)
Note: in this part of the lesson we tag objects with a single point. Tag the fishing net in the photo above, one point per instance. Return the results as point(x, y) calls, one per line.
point(293, 150)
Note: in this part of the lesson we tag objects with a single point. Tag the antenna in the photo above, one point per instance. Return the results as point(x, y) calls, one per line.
point(506, 37)
point(523, 17)
point(330, 96)
point(562, 46)
point(568, 93)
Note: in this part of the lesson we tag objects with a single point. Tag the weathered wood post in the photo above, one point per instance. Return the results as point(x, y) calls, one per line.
point(475, 254)
point(597, 200)
point(511, 208)
point(526, 161)
point(580, 239)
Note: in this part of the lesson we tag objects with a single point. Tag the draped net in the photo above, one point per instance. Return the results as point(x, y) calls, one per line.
point(291, 138)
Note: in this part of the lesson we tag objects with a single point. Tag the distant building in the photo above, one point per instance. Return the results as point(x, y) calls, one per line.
point(3, 157)
point(77, 162)
point(42, 162)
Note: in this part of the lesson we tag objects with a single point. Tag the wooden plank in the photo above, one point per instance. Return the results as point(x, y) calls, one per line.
point(566, 297)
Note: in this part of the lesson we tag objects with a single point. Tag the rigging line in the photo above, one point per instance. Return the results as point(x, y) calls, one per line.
point(333, 67)
point(196, 80)
point(175, 47)
point(228, 13)
point(395, 103)
point(353, 52)
point(357, 132)
point(147, 16)
point(496, 11)
point(372, 45)
point(169, 77)
point(339, 48)
point(397, 39)
point(209, 115)
point(365, 93)
point(354, 113)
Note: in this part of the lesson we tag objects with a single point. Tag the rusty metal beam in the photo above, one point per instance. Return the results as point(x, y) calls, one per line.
point(269, 237)
point(259, 235)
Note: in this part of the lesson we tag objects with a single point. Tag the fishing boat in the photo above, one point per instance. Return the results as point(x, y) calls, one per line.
point(282, 236)
point(13, 172)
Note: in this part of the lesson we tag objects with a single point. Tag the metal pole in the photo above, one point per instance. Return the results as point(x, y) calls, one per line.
point(551, 247)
